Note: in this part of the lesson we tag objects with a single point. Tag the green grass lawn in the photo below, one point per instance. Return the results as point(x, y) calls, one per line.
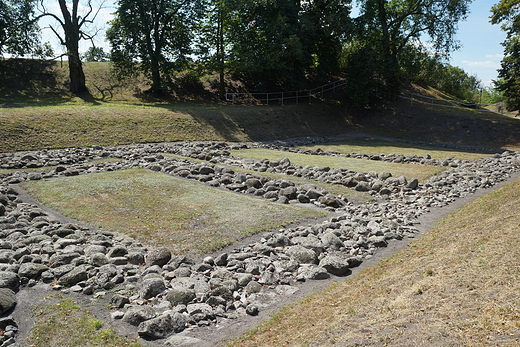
point(421, 172)
point(160, 210)
point(62, 322)
point(107, 124)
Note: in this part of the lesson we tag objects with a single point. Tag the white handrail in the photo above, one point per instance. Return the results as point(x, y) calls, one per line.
point(432, 102)
point(283, 96)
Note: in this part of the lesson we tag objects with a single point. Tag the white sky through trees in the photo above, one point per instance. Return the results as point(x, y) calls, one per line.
point(480, 54)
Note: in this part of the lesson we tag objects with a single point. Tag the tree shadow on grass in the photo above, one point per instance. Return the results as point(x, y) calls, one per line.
point(258, 123)
point(30, 80)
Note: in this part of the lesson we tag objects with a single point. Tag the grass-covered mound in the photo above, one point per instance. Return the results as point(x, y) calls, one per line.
point(160, 210)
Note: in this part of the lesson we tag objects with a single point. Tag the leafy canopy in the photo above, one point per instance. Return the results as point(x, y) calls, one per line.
point(507, 14)
point(391, 32)
point(153, 36)
point(18, 32)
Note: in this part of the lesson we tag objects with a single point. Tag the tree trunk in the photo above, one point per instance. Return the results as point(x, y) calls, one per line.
point(71, 28)
point(77, 77)
point(156, 76)
point(221, 53)
point(390, 63)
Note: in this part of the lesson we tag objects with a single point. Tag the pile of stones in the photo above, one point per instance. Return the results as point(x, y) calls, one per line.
point(163, 294)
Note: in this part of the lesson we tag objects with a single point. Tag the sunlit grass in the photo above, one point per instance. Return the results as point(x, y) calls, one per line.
point(62, 322)
point(160, 210)
point(352, 195)
point(459, 285)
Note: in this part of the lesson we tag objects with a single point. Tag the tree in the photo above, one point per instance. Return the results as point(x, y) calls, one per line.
point(325, 27)
point(212, 46)
point(391, 27)
point(153, 36)
point(449, 79)
point(72, 22)
point(18, 32)
point(96, 54)
point(279, 43)
point(507, 13)
point(43, 51)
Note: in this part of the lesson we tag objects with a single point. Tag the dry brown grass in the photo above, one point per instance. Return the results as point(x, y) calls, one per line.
point(457, 286)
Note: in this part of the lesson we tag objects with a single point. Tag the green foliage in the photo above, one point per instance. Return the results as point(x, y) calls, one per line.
point(392, 31)
point(154, 37)
point(491, 95)
point(95, 54)
point(363, 76)
point(507, 13)
point(278, 43)
point(18, 33)
point(43, 51)
point(266, 48)
point(449, 79)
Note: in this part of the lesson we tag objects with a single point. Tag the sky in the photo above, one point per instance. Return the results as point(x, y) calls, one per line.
point(482, 50)
point(480, 54)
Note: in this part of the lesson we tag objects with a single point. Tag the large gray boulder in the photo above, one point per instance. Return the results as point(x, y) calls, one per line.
point(162, 326)
point(7, 300)
point(151, 287)
point(158, 256)
point(31, 270)
point(337, 264)
point(180, 295)
point(312, 272)
point(301, 254)
point(138, 314)
point(331, 241)
point(78, 274)
point(9, 280)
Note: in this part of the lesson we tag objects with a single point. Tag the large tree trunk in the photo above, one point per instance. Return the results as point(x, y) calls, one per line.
point(77, 77)
point(71, 28)
point(390, 64)
point(156, 76)
point(220, 55)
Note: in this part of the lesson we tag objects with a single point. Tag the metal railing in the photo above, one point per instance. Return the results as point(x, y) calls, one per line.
point(283, 97)
point(448, 103)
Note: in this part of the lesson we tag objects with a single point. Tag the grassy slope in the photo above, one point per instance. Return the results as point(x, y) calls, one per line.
point(85, 124)
point(38, 112)
point(459, 285)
